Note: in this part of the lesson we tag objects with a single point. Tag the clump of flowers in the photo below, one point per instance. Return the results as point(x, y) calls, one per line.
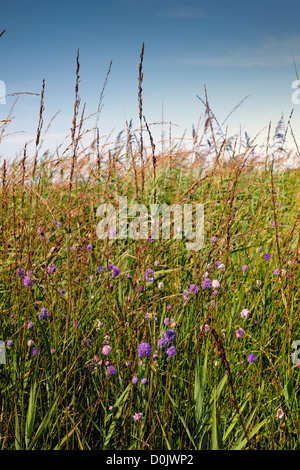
point(166, 340)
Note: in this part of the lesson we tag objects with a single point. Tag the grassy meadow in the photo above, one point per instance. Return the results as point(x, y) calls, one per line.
point(124, 344)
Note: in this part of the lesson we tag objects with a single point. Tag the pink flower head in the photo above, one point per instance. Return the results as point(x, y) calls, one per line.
point(239, 333)
point(106, 350)
point(215, 284)
point(245, 313)
point(137, 416)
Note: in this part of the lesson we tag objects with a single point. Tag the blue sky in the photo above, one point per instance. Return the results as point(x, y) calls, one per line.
point(234, 48)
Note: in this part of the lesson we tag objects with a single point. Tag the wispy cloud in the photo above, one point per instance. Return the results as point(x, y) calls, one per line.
point(168, 9)
point(271, 53)
point(184, 12)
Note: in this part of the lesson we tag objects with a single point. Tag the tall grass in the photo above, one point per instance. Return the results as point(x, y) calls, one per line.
point(56, 392)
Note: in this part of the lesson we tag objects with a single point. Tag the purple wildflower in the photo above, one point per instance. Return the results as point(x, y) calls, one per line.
point(135, 380)
point(244, 268)
point(89, 248)
point(206, 284)
point(111, 370)
point(43, 314)
point(144, 349)
point(20, 272)
point(170, 336)
point(63, 291)
point(100, 269)
point(194, 289)
point(171, 351)
point(149, 276)
point(214, 239)
point(115, 271)
point(27, 282)
point(267, 256)
point(251, 358)
point(162, 343)
point(144, 381)
point(10, 343)
point(34, 351)
point(51, 269)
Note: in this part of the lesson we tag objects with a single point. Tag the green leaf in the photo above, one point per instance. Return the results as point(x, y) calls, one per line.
point(241, 443)
point(200, 386)
point(31, 411)
point(118, 405)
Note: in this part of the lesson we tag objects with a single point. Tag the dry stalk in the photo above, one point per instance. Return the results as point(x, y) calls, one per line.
point(141, 114)
point(39, 129)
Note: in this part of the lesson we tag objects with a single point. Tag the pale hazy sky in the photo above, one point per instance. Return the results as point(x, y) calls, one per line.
point(234, 48)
